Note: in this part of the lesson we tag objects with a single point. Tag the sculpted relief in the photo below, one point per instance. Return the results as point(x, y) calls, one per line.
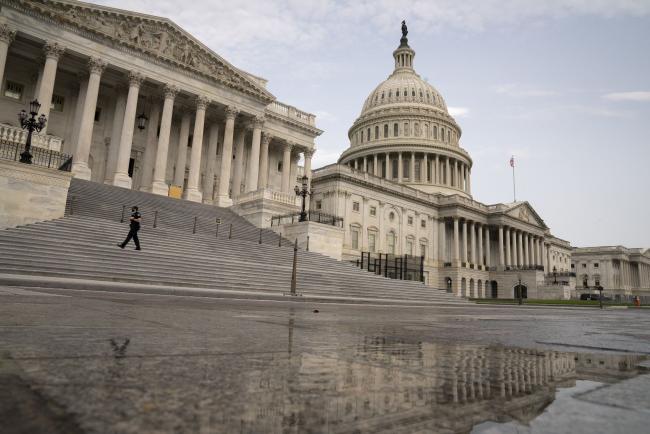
point(157, 38)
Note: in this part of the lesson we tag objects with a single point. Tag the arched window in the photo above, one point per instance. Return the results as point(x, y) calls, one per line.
point(427, 96)
point(376, 132)
point(395, 130)
point(442, 134)
point(435, 132)
point(368, 136)
point(421, 94)
point(427, 132)
point(376, 97)
point(390, 242)
point(382, 95)
point(417, 130)
point(413, 92)
point(406, 129)
point(361, 136)
point(448, 136)
point(385, 130)
point(397, 93)
point(390, 93)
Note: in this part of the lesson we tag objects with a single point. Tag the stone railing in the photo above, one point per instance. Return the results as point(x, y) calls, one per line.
point(268, 194)
point(292, 113)
point(10, 134)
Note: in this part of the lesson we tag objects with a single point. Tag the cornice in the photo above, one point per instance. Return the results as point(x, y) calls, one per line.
point(313, 131)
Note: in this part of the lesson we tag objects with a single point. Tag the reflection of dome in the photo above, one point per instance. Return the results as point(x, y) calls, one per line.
point(406, 119)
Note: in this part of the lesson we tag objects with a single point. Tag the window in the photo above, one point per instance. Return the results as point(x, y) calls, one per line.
point(395, 130)
point(406, 129)
point(390, 243)
point(14, 90)
point(280, 166)
point(573, 265)
point(417, 171)
point(385, 130)
point(390, 93)
point(354, 236)
point(376, 132)
point(410, 220)
point(382, 95)
point(448, 136)
point(584, 265)
point(372, 236)
point(412, 92)
point(435, 132)
point(442, 134)
point(423, 250)
point(406, 166)
point(397, 93)
point(98, 114)
point(423, 223)
point(355, 206)
point(373, 211)
point(595, 264)
point(368, 136)
point(597, 281)
point(319, 204)
point(361, 136)
point(409, 247)
point(57, 103)
point(391, 216)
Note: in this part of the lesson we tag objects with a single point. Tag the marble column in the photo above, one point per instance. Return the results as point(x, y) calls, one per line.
point(240, 144)
point(520, 254)
point(472, 228)
point(52, 51)
point(159, 184)
point(464, 252)
point(286, 168)
point(456, 243)
point(480, 244)
point(389, 168)
point(116, 132)
point(7, 36)
point(488, 249)
point(263, 178)
point(149, 158)
point(253, 168)
point(508, 247)
point(435, 239)
point(412, 168)
point(447, 172)
point(400, 167)
point(80, 167)
point(69, 145)
point(223, 198)
point(181, 150)
point(122, 178)
point(375, 166)
point(424, 170)
point(442, 241)
point(435, 174)
point(524, 248)
point(502, 262)
point(211, 162)
point(192, 192)
point(469, 182)
point(365, 165)
point(457, 174)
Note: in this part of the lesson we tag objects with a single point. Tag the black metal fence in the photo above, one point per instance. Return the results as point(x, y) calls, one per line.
point(312, 216)
point(406, 267)
point(40, 157)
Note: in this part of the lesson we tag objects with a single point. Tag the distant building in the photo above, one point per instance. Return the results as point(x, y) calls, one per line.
point(619, 270)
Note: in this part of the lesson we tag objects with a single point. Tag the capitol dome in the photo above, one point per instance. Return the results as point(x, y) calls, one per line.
point(405, 133)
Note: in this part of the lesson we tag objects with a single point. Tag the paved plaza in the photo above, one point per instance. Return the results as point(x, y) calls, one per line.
point(97, 362)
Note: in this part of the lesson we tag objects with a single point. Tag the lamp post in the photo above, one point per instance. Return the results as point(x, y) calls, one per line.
point(554, 275)
point(303, 192)
point(520, 294)
point(600, 297)
point(142, 121)
point(29, 122)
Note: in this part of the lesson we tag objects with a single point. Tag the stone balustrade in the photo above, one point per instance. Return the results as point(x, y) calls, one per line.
point(11, 134)
point(268, 194)
point(292, 113)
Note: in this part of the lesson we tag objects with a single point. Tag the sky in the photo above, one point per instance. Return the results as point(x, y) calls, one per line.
point(563, 85)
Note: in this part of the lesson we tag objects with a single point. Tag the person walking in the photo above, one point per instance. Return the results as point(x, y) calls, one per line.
point(135, 219)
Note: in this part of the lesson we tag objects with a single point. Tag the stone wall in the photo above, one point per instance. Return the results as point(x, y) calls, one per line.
point(324, 239)
point(30, 194)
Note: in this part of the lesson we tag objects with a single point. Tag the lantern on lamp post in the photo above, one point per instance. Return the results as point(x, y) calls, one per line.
point(29, 122)
point(303, 192)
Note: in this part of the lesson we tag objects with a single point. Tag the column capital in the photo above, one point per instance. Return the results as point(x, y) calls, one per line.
point(231, 112)
point(266, 138)
point(170, 91)
point(287, 146)
point(53, 50)
point(135, 79)
point(96, 65)
point(7, 34)
point(258, 121)
point(309, 153)
point(202, 102)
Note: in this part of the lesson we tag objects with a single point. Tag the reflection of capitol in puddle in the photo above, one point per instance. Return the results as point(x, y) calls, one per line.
point(393, 386)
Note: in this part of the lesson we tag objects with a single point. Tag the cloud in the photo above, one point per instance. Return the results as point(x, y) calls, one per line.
point(637, 96)
point(458, 112)
point(520, 91)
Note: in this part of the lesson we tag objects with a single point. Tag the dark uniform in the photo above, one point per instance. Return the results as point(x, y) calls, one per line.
point(133, 232)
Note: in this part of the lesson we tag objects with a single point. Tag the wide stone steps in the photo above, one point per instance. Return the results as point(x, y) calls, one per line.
point(81, 247)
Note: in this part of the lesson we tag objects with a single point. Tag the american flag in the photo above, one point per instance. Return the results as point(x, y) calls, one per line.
point(512, 161)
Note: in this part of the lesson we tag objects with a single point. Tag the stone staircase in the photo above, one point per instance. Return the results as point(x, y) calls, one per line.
point(79, 251)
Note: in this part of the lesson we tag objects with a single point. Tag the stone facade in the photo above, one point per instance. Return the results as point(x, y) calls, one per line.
point(619, 270)
point(403, 187)
point(100, 72)
point(31, 194)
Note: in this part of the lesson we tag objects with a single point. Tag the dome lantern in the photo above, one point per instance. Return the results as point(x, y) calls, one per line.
point(404, 54)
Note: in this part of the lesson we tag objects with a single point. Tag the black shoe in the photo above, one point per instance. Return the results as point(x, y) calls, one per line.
point(120, 246)
point(137, 248)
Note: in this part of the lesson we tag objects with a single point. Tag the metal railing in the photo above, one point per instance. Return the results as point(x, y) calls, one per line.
point(40, 157)
point(312, 216)
point(406, 267)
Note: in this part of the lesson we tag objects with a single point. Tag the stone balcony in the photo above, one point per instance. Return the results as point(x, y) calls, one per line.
point(258, 207)
point(292, 113)
point(11, 134)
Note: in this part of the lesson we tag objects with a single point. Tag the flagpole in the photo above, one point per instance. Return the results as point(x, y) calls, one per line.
point(514, 191)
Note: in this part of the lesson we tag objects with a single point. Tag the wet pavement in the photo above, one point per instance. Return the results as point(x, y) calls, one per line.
point(96, 362)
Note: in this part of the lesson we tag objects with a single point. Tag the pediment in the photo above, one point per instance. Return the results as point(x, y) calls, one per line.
point(159, 38)
point(526, 213)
